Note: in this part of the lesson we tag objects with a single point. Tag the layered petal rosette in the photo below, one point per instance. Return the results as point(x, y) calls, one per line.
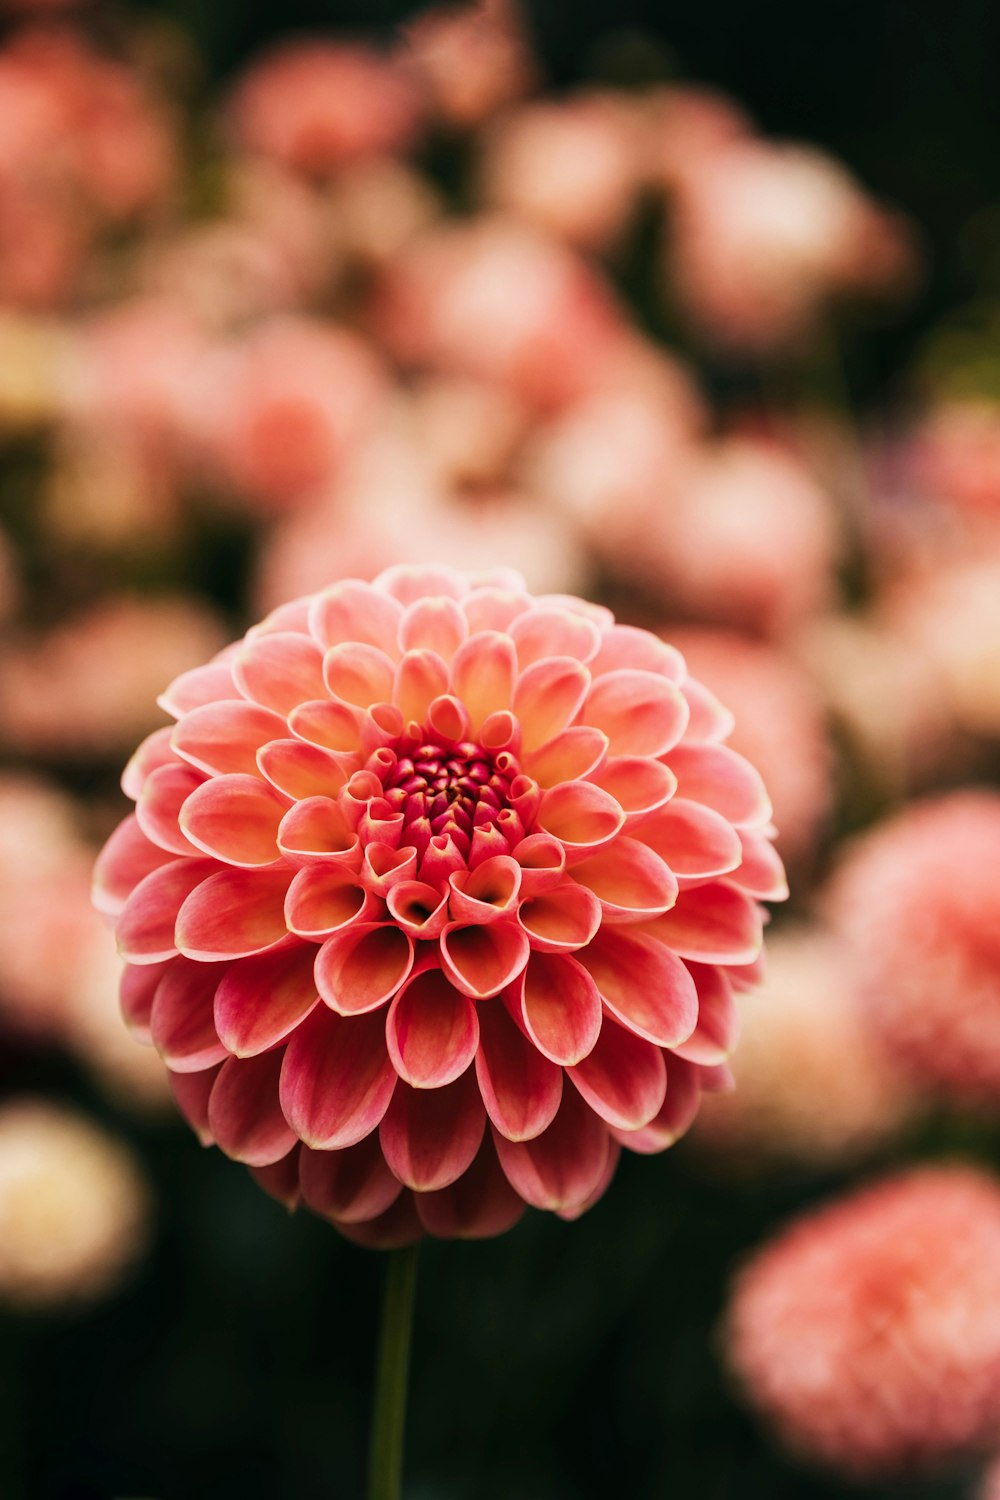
point(435, 896)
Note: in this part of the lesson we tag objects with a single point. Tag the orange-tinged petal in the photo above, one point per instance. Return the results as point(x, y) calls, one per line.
point(560, 919)
point(244, 1114)
point(641, 713)
point(570, 756)
point(581, 816)
point(420, 909)
point(623, 1078)
point(359, 968)
point(358, 675)
point(421, 676)
point(159, 806)
point(721, 779)
point(640, 786)
point(433, 624)
point(709, 719)
point(260, 1001)
point(147, 922)
point(448, 719)
point(631, 647)
point(181, 1021)
point(211, 683)
point(316, 828)
point(714, 924)
point(280, 671)
point(354, 611)
point(491, 608)
point(431, 1136)
point(560, 1168)
point(324, 898)
point(629, 880)
point(336, 1079)
point(480, 960)
point(385, 867)
point(488, 892)
point(301, 770)
point(232, 914)
point(557, 1003)
point(548, 697)
point(235, 818)
point(481, 1203)
point(697, 843)
point(431, 1031)
point(554, 632)
point(520, 1088)
point(334, 726)
point(408, 582)
point(350, 1185)
point(543, 862)
point(643, 984)
point(224, 738)
point(483, 674)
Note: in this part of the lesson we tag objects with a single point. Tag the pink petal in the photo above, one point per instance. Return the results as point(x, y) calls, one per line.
point(280, 1179)
point(483, 674)
point(420, 909)
point(160, 802)
point(302, 770)
point(223, 738)
point(408, 582)
point(192, 1092)
point(181, 1021)
point(495, 608)
point(548, 697)
point(146, 926)
point(336, 1080)
point(334, 726)
point(351, 1185)
point(385, 867)
point(233, 914)
point(136, 990)
point(554, 632)
point(324, 898)
point(155, 751)
point(629, 646)
point(717, 1031)
point(640, 786)
point(572, 604)
point(714, 924)
point(598, 1190)
point(421, 676)
point(280, 671)
point(760, 872)
point(244, 1114)
point(358, 675)
point(629, 880)
point(486, 893)
point(127, 857)
point(558, 1006)
point(235, 818)
point(447, 719)
point(317, 829)
point(353, 611)
point(722, 780)
point(676, 1114)
point(261, 1000)
point(357, 970)
point(436, 624)
point(560, 1168)
point(208, 684)
point(570, 756)
point(293, 616)
point(481, 960)
point(520, 1088)
point(431, 1031)
point(697, 843)
point(643, 984)
point(709, 720)
point(431, 1136)
point(398, 1226)
point(623, 1078)
point(559, 920)
point(581, 817)
point(543, 862)
point(480, 1204)
point(640, 712)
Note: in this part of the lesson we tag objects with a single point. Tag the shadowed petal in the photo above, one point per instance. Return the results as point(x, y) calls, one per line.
point(261, 1000)
point(570, 756)
point(543, 862)
point(420, 909)
point(136, 990)
point(623, 1078)
point(714, 924)
point(723, 780)
point(488, 892)
point(192, 1092)
point(358, 969)
point(235, 818)
point(483, 674)
point(675, 1115)
point(598, 1190)
point(398, 1226)
point(324, 898)
point(629, 880)
point(431, 1031)
point(223, 738)
point(127, 857)
point(640, 786)
point(562, 919)
point(480, 1204)
point(581, 817)
point(431, 1136)
point(559, 1007)
point(560, 1168)
point(181, 1022)
point(233, 914)
point(145, 928)
point(244, 1114)
point(480, 960)
point(280, 1179)
point(696, 842)
point(318, 829)
point(280, 671)
point(520, 1088)
point(716, 1033)
point(351, 1185)
point(641, 713)
point(643, 984)
point(336, 1079)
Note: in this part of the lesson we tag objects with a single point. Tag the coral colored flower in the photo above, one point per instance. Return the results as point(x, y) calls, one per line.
point(918, 904)
point(472, 59)
point(869, 1331)
point(435, 896)
point(989, 1488)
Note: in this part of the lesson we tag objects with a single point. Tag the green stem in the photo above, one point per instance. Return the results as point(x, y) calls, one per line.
point(385, 1458)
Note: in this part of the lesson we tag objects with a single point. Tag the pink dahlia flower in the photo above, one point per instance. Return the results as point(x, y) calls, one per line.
point(917, 903)
point(435, 896)
point(989, 1488)
point(869, 1331)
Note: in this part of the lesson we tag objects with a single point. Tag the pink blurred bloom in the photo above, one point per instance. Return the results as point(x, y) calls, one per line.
point(436, 896)
point(989, 1488)
point(379, 206)
point(917, 903)
point(473, 59)
point(315, 105)
point(954, 455)
point(780, 727)
point(495, 300)
point(572, 167)
point(84, 688)
point(685, 126)
point(868, 1332)
point(815, 1087)
point(764, 235)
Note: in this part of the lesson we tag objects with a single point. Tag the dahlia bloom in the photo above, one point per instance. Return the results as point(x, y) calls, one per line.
point(868, 1332)
point(917, 903)
point(436, 896)
point(471, 59)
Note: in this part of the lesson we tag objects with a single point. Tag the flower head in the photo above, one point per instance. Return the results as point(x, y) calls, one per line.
point(869, 1332)
point(436, 895)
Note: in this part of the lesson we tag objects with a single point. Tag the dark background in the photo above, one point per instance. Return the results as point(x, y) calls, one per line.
point(560, 1361)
